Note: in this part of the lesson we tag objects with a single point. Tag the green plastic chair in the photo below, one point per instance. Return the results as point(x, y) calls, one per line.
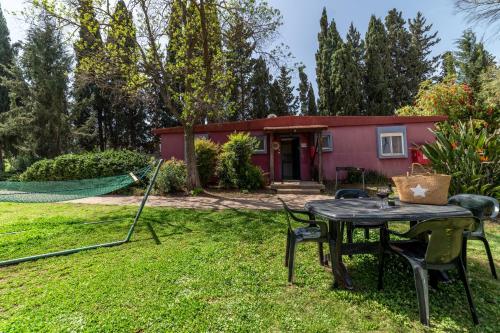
point(315, 231)
point(441, 252)
point(479, 205)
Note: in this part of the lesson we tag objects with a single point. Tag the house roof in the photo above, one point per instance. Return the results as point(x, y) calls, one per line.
point(303, 121)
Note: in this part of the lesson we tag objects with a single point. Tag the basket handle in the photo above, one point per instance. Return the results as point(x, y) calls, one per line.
point(422, 170)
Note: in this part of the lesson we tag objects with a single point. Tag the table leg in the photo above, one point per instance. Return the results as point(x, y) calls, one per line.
point(339, 270)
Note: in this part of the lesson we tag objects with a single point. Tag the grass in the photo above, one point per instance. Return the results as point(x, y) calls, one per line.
point(214, 271)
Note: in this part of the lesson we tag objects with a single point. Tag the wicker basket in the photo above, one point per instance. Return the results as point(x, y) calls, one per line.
point(423, 187)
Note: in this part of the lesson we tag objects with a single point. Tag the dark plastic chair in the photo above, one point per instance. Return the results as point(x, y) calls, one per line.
point(441, 252)
point(315, 231)
point(356, 194)
point(479, 205)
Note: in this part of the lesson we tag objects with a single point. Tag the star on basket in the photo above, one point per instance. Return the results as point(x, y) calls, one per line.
point(419, 191)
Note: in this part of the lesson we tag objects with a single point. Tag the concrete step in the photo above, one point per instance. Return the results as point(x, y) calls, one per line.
point(297, 186)
point(302, 191)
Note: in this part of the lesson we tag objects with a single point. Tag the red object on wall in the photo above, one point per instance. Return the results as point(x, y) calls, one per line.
point(417, 156)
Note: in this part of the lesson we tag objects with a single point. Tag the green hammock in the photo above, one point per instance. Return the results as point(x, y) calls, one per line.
point(56, 191)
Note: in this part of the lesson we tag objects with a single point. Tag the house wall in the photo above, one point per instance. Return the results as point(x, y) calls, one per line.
point(353, 146)
point(357, 147)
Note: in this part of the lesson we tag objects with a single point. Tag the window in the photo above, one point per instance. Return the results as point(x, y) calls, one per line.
point(327, 141)
point(392, 142)
point(262, 144)
point(201, 136)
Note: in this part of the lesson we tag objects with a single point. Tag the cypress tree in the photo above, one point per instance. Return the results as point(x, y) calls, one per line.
point(472, 59)
point(329, 41)
point(448, 65)
point(422, 66)
point(6, 57)
point(239, 50)
point(260, 89)
point(399, 43)
point(346, 82)
point(303, 90)
point(125, 124)
point(277, 103)
point(322, 63)
point(378, 69)
point(357, 46)
point(90, 105)
point(312, 109)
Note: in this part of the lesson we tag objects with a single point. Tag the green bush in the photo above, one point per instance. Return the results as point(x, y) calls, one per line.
point(206, 158)
point(468, 153)
point(234, 166)
point(371, 177)
point(172, 177)
point(86, 165)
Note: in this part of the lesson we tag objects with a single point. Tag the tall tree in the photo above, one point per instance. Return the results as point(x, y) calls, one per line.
point(312, 108)
point(90, 105)
point(472, 59)
point(282, 100)
point(329, 41)
point(399, 43)
point(378, 70)
point(6, 57)
point(346, 82)
point(260, 83)
point(126, 124)
point(357, 46)
point(448, 65)
point(303, 90)
point(40, 89)
point(423, 65)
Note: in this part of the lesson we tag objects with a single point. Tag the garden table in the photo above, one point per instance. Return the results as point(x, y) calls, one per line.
point(367, 210)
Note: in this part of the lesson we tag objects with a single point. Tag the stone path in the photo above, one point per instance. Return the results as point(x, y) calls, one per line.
point(210, 201)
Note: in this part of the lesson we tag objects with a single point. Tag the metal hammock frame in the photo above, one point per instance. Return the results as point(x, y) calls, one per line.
point(127, 238)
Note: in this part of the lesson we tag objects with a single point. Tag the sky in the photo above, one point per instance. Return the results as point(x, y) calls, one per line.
point(301, 23)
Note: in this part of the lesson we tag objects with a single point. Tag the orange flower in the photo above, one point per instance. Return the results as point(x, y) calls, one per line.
point(483, 158)
point(454, 145)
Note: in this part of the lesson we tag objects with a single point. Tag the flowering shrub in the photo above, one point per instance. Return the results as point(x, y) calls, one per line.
point(468, 153)
point(448, 98)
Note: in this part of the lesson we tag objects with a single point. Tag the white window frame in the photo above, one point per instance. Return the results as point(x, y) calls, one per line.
point(323, 135)
point(392, 131)
point(261, 151)
point(392, 135)
point(202, 136)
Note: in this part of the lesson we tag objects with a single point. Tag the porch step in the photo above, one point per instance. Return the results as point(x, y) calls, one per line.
point(297, 187)
point(298, 191)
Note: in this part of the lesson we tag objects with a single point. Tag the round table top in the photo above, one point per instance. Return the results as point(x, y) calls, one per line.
point(367, 209)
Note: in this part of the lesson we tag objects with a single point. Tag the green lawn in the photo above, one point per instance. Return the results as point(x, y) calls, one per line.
point(214, 271)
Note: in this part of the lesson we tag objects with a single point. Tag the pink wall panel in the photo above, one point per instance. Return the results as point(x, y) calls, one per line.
point(352, 146)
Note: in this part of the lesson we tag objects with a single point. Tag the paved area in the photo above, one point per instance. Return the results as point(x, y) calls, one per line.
point(229, 200)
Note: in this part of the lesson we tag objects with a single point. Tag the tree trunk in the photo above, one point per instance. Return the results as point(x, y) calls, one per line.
point(193, 180)
point(2, 166)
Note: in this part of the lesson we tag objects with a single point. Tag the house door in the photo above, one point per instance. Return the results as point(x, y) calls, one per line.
point(290, 158)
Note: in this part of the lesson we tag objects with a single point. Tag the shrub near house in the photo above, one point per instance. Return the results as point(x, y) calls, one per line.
point(234, 167)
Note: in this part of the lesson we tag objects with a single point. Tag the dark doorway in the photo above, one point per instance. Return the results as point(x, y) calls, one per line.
point(290, 158)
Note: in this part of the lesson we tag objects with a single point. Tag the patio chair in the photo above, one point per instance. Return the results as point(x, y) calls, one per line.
point(356, 194)
point(314, 231)
point(441, 252)
point(478, 205)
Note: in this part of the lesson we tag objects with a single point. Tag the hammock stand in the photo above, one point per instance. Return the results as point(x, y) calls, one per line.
point(96, 246)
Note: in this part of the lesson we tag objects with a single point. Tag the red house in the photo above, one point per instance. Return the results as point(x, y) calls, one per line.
point(289, 146)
